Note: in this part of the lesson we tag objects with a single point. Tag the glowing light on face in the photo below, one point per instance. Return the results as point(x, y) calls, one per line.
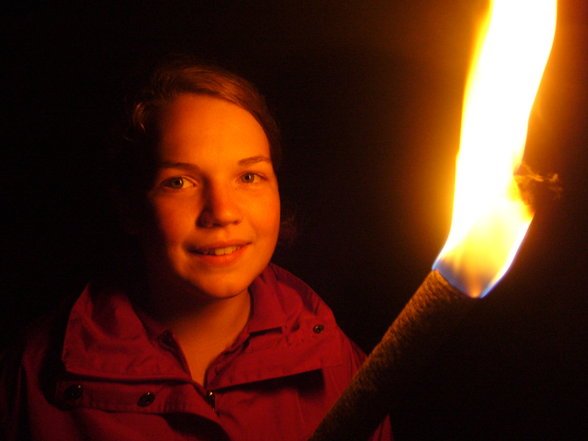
point(215, 205)
point(490, 218)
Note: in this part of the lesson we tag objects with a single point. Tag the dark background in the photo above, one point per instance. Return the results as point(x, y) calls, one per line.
point(368, 94)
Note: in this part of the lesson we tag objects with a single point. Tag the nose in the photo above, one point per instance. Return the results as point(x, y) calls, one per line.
point(220, 207)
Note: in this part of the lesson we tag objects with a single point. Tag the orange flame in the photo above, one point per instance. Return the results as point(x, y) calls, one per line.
point(490, 219)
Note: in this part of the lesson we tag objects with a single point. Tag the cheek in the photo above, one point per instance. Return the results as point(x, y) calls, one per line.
point(269, 217)
point(172, 222)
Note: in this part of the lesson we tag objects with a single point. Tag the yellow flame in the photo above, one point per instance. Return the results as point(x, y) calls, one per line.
point(489, 218)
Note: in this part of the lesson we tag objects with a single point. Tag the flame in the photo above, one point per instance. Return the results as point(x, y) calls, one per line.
point(490, 219)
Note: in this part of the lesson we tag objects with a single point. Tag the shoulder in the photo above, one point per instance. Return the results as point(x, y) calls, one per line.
point(25, 365)
point(304, 308)
point(40, 339)
point(293, 291)
point(294, 295)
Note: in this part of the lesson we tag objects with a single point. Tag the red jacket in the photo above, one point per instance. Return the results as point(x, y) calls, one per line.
point(115, 375)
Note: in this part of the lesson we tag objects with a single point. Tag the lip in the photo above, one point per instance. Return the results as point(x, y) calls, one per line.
point(228, 252)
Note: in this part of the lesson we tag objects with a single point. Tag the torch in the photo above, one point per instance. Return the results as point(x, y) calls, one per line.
point(490, 217)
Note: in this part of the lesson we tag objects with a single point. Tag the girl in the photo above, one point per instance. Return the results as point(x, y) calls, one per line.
point(204, 339)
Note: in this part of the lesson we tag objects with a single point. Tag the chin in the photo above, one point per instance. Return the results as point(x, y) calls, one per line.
point(220, 283)
point(218, 287)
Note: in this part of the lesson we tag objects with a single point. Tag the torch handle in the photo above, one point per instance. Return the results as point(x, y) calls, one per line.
point(395, 363)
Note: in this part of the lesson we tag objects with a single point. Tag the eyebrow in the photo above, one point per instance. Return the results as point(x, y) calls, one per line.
point(187, 166)
point(254, 160)
point(182, 165)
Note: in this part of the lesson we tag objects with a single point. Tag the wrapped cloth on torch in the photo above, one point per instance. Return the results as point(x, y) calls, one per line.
point(407, 346)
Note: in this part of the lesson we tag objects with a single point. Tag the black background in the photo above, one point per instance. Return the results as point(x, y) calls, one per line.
point(368, 95)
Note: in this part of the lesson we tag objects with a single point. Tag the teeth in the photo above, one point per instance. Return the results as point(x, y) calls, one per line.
point(220, 251)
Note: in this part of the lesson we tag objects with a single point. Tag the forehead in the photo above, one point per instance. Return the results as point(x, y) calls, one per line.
point(208, 125)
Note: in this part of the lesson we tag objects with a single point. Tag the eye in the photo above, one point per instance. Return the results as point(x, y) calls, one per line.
point(250, 178)
point(177, 183)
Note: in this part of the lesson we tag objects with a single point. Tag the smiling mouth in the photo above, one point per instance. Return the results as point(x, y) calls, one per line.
point(223, 251)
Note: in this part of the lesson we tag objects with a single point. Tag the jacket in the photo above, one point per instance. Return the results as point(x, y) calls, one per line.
point(112, 373)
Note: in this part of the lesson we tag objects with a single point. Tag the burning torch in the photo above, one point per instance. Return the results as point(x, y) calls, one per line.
point(490, 217)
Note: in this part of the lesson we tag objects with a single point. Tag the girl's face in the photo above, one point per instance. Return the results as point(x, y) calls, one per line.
point(214, 202)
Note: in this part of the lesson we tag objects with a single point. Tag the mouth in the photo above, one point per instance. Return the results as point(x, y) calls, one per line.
point(220, 251)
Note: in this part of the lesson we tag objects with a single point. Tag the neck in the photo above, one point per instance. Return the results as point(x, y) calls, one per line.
point(210, 321)
point(203, 327)
point(190, 314)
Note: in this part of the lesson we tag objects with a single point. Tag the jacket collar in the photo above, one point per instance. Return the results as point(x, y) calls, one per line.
point(107, 338)
point(266, 312)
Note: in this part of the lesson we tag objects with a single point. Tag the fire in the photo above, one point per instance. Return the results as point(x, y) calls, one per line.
point(490, 219)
